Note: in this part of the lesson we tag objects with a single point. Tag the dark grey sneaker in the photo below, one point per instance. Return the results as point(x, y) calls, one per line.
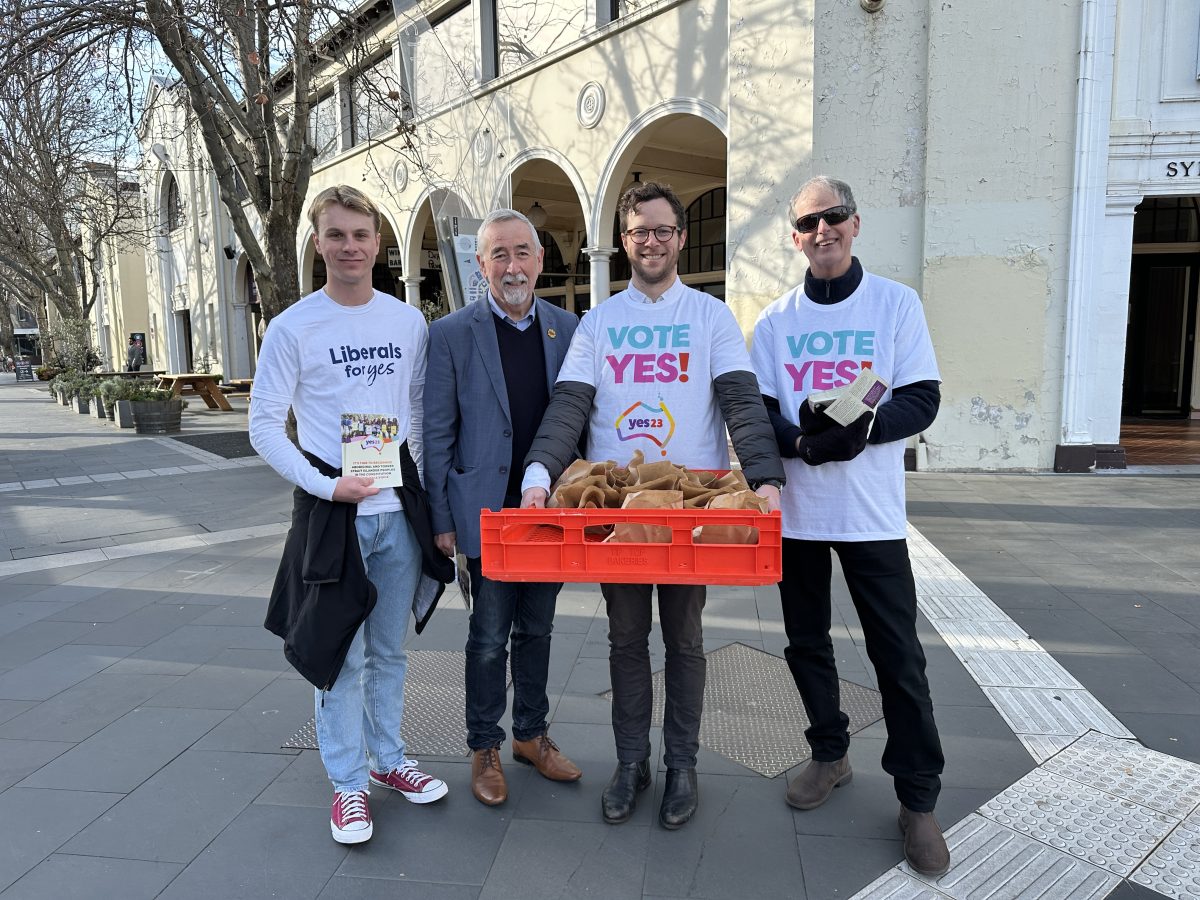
point(816, 782)
point(924, 846)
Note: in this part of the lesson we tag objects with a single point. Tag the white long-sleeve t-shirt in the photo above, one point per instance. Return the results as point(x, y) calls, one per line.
point(324, 359)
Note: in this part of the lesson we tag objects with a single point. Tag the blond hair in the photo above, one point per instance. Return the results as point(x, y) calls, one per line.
point(349, 197)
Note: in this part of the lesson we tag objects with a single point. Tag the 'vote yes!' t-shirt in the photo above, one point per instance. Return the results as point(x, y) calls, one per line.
point(801, 347)
point(653, 364)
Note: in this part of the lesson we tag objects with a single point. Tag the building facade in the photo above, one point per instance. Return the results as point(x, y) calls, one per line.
point(1031, 172)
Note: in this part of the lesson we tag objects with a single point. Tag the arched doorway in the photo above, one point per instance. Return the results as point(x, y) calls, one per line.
point(688, 151)
point(426, 283)
point(542, 190)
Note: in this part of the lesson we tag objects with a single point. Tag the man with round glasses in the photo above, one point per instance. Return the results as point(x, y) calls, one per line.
point(663, 369)
point(846, 495)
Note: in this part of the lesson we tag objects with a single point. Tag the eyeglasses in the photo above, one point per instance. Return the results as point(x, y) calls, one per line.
point(662, 234)
point(835, 215)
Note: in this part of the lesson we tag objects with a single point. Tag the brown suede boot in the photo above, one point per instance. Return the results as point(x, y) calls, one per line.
point(816, 782)
point(924, 846)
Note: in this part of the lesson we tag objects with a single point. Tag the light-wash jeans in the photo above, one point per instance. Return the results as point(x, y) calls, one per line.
point(358, 721)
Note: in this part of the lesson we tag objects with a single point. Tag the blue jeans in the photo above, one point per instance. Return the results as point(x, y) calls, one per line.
point(500, 609)
point(358, 721)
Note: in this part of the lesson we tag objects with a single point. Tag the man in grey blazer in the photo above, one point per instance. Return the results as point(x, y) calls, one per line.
point(491, 369)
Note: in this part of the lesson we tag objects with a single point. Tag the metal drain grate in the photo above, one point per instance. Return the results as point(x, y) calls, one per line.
point(434, 699)
point(752, 713)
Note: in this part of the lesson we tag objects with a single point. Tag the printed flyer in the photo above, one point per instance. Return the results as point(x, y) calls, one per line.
point(371, 449)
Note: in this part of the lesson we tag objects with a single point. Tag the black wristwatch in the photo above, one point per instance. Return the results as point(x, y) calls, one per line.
point(774, 482)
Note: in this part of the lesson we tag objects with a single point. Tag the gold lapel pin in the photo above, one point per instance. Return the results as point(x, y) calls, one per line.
point(551, 333)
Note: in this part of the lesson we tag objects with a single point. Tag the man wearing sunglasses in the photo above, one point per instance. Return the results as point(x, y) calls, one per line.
point(846, 495)
point(663, 369)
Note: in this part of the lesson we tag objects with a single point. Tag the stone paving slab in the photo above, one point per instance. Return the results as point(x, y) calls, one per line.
point(186, 719)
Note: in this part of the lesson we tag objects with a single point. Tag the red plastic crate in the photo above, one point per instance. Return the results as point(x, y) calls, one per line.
point(551, 545)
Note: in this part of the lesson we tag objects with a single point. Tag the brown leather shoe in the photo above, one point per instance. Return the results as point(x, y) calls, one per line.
point(543, 754)
point(924, 846)
point(487, 778)
point(816, 782)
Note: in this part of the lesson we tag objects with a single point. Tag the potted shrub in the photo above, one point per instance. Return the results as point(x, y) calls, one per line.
point(106, 395)
point(67, 385)
point(155, 411)
point(45, 373)
point(56, 388)
point(84, 390)
point(97, 399)
point(122, 392)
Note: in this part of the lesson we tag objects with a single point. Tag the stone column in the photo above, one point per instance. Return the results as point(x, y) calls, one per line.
point(412, 290)
point(600, 257)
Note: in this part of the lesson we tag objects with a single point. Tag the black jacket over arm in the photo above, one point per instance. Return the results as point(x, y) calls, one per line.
point(556, 444)
point(749, 428)
point(322, 594)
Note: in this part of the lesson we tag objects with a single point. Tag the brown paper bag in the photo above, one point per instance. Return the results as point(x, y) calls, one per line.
point(731, 534)
point(638, 532)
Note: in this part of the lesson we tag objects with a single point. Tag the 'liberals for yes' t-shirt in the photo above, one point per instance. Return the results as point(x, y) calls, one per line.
point(324, 359)
point(652, 365)
point(801, 347)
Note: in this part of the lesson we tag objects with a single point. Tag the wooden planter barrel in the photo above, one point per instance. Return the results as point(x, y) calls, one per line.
point(157, 416)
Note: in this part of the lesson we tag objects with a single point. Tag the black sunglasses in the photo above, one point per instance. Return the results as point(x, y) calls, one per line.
point(835, 215)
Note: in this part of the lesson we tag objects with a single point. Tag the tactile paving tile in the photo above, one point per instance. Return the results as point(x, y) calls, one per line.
point(1173, 868)
point(965, 635)
point(897, 885)
point(753, 714)
point(434, 700)
point(1099, 829)
point(978, 609)
point(1043, 746)
point(1132, 772)
point(947, 585)
point(1006, 668)
point(1053, 711)
point(995, 862)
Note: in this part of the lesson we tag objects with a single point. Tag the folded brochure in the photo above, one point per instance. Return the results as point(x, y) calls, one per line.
point(371, 448)
point(848, 402)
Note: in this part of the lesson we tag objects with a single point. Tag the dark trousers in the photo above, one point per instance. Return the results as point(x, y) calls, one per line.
point(679, 609)
point(500, 611)
point(880, 579)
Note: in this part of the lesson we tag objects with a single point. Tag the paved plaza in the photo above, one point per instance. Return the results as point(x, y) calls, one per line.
point(148, 722)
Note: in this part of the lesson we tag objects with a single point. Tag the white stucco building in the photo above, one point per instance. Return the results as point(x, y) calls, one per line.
point(1016, 165)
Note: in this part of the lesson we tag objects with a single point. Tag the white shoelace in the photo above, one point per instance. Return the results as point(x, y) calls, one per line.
point(353, 807)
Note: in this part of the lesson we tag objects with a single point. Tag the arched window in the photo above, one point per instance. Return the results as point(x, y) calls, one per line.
point(174, 205)
point(705, 249)
point(1166, 220)
point(554, 267)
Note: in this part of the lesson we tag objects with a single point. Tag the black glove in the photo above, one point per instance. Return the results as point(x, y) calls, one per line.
point(814, 421)
point(838, 444)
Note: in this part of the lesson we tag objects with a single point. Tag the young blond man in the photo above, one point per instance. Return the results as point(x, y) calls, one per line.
point(352, 561)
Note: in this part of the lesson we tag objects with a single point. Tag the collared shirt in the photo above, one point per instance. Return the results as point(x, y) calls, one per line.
point(526, 321)
point(670, 294)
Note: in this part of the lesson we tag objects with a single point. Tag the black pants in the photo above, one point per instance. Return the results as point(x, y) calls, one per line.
point(679, 609)
point(880, 579)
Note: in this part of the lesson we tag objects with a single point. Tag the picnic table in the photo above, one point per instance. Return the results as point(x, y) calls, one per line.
point(147, 373)
point(204, 385)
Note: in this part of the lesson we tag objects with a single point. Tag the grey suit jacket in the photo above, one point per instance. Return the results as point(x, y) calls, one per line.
point(467, 427)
